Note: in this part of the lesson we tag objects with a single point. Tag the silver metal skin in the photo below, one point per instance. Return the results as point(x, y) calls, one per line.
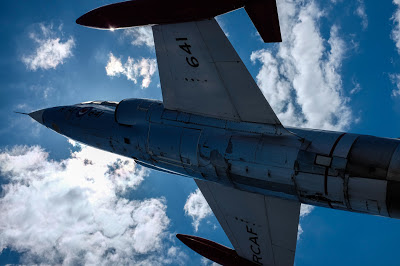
point(338, 170)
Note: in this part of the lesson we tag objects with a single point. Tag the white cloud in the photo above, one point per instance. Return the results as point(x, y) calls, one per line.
point(360, 11)
point(132, 69)
point(304, 211)
point(207, 262)
point(197, 208)
point(357, 87)
point(302, 80)
point(71, 211)
point(50, 50)
point(114, 66)
point(396, 38)
point(396, 27)
point(140, 36)
point(395, 78)
point(222, 24)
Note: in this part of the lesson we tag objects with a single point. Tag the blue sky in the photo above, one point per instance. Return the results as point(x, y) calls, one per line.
point(337, 68)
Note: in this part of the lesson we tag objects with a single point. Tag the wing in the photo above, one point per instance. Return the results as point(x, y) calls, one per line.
point(201, 73)
point(261, 229)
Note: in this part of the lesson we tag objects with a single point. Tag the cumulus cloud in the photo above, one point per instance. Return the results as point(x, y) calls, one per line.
point(132, 69)
point(302, 80)
point(304, 211)
point(140, 36)
point(50, 50)
point(197, 208)
point(360, 11)
point(73, 211)
point(396, 27)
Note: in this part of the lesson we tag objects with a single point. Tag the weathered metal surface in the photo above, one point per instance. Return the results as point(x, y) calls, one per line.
point(343, 146)
point(189, 150)
point(393, 199)
point(164, 142)
point(132, 111)
point(394, 166)
point(370, 157)
point(368, 195)
point(330, 169)
point(324, 143)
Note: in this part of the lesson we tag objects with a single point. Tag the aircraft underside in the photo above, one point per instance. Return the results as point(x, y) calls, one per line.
point(215, 125)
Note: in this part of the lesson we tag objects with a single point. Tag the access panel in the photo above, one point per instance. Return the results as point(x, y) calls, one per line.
point(163, 143)
point(189, 148)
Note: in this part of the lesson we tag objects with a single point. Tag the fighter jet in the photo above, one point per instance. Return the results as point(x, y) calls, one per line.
point(214, 125)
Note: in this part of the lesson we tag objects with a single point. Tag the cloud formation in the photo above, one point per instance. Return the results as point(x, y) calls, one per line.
point(50, 50)
point(304, 211)
point(360, 11)
point(72, 212)
point(197, 208)
point(396, 27)
point(395, 78)
point(132, 69)
point(140, 36)
point(302, 81)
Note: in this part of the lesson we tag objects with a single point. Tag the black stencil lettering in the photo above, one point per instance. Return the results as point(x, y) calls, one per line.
point(254, 240)
point(255, 252)
point(250, 230)
point(185, 47)
point(257, 259)
point(193, 62)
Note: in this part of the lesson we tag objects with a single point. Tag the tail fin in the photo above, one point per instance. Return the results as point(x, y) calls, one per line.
point(264, 15)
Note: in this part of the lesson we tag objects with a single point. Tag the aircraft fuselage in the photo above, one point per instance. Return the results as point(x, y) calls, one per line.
point(338, 170)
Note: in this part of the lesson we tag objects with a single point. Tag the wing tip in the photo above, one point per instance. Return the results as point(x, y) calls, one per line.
point(264, 15)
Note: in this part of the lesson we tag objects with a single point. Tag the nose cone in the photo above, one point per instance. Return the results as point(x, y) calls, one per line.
point(37, 115)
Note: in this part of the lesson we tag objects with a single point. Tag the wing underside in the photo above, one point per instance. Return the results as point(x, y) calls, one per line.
point(261, 229)
point(201, 73)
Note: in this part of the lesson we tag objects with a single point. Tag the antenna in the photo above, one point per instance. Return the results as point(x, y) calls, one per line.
point(22, 113)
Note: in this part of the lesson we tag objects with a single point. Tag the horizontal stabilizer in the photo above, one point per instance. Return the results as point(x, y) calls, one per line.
point(264, 15)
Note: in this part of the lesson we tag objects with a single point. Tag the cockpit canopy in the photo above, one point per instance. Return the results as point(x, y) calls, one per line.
point(106, 103)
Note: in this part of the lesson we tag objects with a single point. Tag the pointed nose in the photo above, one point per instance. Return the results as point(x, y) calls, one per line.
point(37, 115)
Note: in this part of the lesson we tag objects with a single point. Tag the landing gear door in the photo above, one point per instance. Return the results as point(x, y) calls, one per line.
point(189, 150)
